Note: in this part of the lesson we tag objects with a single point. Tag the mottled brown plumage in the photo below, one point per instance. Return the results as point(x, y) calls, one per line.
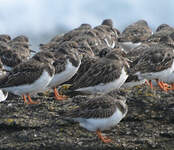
point(104, 70)
point(64, 54)
point(137, 51)
point(69, 45)
point(75, 33)
point(20, 45)
point(20, 38)
point(136, 32)
point(163, 36)
point(28, 72)
point(85, 65)
point(165, 27)
point(57, 38)
point(10, 58)
point(107, 22)
point(97, 107)
point(155, 58)
point(85, 49)
point(5, 38)
point(4, 46)
point(85, 26)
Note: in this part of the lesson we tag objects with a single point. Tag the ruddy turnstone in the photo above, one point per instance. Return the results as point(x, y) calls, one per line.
point(68, 45)
point(156, 63)
point(76, 32)
point(165, 27)
point(57, 38)
point(9, 58)
point(106, 33)
point(53, 46)
point(85, 49)
point(109, 22)
point(66, 64)
point(14, 52)
point(4, 46)
point(21, 46)
point(134, 34)
point(5, 38)
point(106, 74)
point(86, 63)
point(3, 95)
point(29, 77)
point(87, 59)
point(99, 113)
point(162, 31)
point(132, 55)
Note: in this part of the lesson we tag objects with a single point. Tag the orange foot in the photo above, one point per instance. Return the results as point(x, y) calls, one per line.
point(58, 96)
point(149, 84)
point(29, 100)
point(170, 87)
point(104, 139)
point(162, 85)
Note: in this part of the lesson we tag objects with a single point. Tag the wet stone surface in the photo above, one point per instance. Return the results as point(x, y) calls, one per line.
point(149, 124)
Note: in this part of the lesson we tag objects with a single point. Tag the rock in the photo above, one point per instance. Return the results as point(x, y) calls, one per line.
point(149, 124)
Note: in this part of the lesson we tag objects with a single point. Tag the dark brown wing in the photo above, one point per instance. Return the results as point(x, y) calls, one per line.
point(154, 60)
point(103, 71)
point(60, 64)
point(10, 58)
point(85, 65)
point(97, 107)
point(136, 32)
point(25, 73)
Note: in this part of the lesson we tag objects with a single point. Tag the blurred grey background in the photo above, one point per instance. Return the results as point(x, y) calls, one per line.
point(40, 20)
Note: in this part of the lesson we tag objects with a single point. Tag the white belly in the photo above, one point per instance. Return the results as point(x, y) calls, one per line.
point(93, 124)
point(165, 75)
point(35, 87)
point(7, 68)
point(127, 46)
point(108, 44)
point(64, 76)
point(105, 88)
point(133, 83)
point(170, 78)
point(3, 96)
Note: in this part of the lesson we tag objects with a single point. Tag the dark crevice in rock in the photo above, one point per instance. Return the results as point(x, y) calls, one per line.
point(14, 128)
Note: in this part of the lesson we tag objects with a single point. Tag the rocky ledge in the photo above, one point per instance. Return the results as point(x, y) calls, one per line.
point(149, 124)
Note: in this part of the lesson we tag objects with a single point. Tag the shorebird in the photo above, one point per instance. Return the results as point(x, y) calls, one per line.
point(156, 63)
point(134, 35)
point(29, 77)
point(14, 52)
point(67, 62)
point(99, 113)
point(5, 38)
point(3, 94)
point(104, 75)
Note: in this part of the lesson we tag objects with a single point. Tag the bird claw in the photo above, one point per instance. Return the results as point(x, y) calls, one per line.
point(101, 137)
point(58, 96)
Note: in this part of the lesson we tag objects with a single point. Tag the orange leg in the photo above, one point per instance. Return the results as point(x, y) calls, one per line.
point(168, 86)
point(58, 96)
point(25, 99)
point(150, 83)
point(104, 139)
point(147, 83)
point(172, 86)
point(30, 100)
point(162, 85)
